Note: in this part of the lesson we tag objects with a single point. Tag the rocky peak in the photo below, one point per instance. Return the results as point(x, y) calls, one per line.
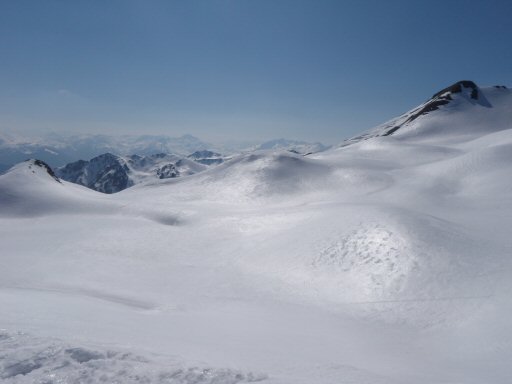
point(458, 87)
point(44, 166)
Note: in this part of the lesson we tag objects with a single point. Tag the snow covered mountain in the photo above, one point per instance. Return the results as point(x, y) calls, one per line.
point(109, 173)
point(58, 150)
point(467, 107)
point(31, 188)
point(383, 261)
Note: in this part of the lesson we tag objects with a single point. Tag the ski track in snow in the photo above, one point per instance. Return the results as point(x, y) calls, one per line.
point(100, 295)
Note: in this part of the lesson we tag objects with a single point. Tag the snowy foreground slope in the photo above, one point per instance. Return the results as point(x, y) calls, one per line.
point(387, 260)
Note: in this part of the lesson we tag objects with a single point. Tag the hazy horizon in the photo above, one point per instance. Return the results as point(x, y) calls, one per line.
point(239, 70)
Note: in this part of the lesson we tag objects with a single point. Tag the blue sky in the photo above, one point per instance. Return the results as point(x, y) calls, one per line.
point(246, 69)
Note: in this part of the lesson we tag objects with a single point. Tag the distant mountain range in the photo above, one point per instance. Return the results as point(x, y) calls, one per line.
point(59, 150)
point(110, 173)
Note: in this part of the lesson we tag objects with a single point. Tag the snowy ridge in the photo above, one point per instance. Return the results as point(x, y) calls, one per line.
point(463, 103)
point(31, 189)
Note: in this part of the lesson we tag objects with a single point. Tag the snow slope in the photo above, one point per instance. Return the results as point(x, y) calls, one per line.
point(462, 109)
point(383, 261)
point(32, 189)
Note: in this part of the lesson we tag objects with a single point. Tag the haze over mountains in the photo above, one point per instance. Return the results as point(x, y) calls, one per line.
point(58, 150)
point(110, 164)
point(383, 260)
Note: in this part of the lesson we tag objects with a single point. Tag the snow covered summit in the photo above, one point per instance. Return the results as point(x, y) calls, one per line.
point(458, 110)
point(31, 189)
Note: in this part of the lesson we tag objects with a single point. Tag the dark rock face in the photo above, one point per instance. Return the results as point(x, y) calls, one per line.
point(206, 157)
point(109, 173)
point(431, 105)
point(75, 167)
point(113, 179)
point(105, 173)
point(443, 97)
point(457, 88)
point(439, 99)
point(168, 171)
point(202, 154)
point(465, 88)
point(47, 168)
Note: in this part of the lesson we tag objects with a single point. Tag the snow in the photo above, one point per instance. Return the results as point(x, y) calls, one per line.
point(27, 190)
point(384, 261)
point(27, 360)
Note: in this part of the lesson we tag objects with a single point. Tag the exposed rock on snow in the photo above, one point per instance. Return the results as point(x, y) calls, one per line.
point(465, 98)
point(45, 166)
point(32, 189)
point(109, 173)
point(296, 146)
point(207, 157)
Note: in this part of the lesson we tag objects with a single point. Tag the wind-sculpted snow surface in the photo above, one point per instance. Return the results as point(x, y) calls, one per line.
point(384, 261)
point(28, 360)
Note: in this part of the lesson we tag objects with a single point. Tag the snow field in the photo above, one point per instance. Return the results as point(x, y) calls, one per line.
point(385, 261)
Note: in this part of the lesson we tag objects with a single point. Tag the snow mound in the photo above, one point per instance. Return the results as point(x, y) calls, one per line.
point(481, 172)
point(265, 177)
point(31, 189)
point(251, 177)
point(372, 256)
